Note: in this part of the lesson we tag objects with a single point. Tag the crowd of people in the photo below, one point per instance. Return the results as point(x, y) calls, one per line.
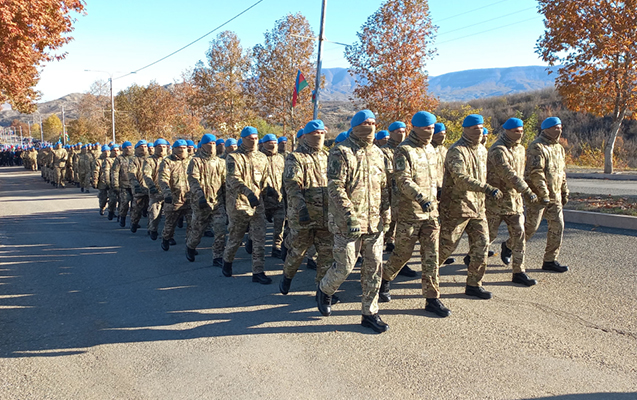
point(367, 193)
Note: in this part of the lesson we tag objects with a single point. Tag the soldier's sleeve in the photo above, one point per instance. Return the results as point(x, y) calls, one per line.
point(234, 180)
point(96, 172)
point(337, 180)
point(505, 170)
point(457, 166)
point(194, 176)
point(565, 191)
point(132, 173)
point(385, 202)
point(293, 182)
point(535, 164)
point(221, 167)
point(403, 176)
point(267, 179)
point(115, 173)
point(147, 170)
point(164, 176)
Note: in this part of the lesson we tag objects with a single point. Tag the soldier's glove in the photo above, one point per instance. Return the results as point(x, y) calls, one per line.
point(254, 201)
point(203, 203)
point(546, 201)
point(138, 190)
point(153, 190)
point(304, 216)
point(564, 198)
point(354, 227)
point(168, 199)
point(425, 205)
point(530, 196)
point(493, 192)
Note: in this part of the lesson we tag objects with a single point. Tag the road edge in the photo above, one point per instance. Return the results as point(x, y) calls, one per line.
point(601, 219)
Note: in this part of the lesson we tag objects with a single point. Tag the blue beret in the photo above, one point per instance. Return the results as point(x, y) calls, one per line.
point(249, 130)
point(207, 138)
point(485, 131)
point(299, 133)
point(381, 135)
point(261, 141)
point(439, 127)
point(314, 125)
point(551, 122)
point(79, 143)
point(115, 146)
point(97, 143)
point(239, 142)
point(341, 136)
point(180, 143)
point(83, 146)
point(361, 117)
point(270, 137)
point(219, 141)
point(422, 119)
point(472, 120)
point(151, 144)
point(283, 139)
point(106, 148)
point(141, 143)
point(126, 144)
point(396, 125)
point(513, 123)
point(161, 141)
point(190, 143)
point(231, 142)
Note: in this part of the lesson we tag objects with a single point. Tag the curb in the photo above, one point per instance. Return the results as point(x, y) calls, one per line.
point(610, 177)
point(601, 219)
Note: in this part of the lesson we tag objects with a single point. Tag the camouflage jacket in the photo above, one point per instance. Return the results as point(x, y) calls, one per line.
point(59, 158)
point(545, 171)
point(84, 164)
point(247, 172)
point(276, 165)
point(305, 180)
point(415, 168)
point(119, 172)
point(102, 172)
point(207, 178)
point(357, 187)
point(389, 151)
point(441, 150)
point(505, 171)
point(464, 181)
point(136, 175)
point(173, 178)
point(151, 176)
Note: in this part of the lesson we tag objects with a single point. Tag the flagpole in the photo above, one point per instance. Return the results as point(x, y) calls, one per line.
point(319, 60)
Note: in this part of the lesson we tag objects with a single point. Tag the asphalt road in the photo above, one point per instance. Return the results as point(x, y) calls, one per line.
point(92, 311)
point(603, 187)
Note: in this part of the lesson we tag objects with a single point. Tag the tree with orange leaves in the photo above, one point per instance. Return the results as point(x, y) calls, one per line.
point(389, 60)
point(595, 41)
point(29, 31)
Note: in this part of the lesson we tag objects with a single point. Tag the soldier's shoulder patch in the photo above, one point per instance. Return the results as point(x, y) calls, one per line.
point(334, 165)
point(400, 161)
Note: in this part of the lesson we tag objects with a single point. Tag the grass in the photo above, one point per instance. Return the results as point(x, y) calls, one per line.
point(621, 205)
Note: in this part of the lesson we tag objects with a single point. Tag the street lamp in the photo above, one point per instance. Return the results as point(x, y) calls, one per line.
point(110, 81)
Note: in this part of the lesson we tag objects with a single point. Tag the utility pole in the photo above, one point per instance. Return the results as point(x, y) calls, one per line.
point(63, 128)
point(110, 80)
point(319, 61)
point(41, 129)
point(20, 135)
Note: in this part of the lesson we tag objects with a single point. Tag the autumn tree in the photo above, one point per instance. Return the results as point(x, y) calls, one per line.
point(287, 48)
point(52, 128)
point(20, 126)
point(389, 60)
point(29, 33)
point(453, 115)
point(219, 84)
point(187, 121)
point(595, 41)
point(94, 116)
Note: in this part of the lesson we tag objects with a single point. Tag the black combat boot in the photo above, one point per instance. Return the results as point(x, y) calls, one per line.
point(284, 252)
point(173, 242)
point(554, 266)
point(261, 278)
point(466, 260)
point(324, 302)
point(383, 293)
point(449, 260)
point(311, 264)
point(133, 227)
point(490, 253)
point(226, 270)
point(82, 190)
point(209, 234)
point(190, 254)
point(276, 253)
point(284, 285)
point(435, 306)
point(153, 235)
point(101, 211)
point(374, 322)
point(249, 246)
point(217, 262)
point(165, 244)
point(523, 279)
point(390, 247)
point(406, 271)
point(180, 222)
point(111, 215)
point(506, 254)
point(122, 222)
point(477, 291)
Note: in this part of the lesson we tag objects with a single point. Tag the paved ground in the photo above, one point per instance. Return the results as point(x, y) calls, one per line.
point(91, 311)
point(603, 187)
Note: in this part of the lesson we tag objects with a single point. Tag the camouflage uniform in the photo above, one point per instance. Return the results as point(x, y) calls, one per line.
point(505, 171)
point(101, 178)
point(156, 198)
point(462, 205)
point(59, 165)
point(441, 151)
point(247, 172)
point(273, 202)
point(357, 187)
point(207, 180)
point(68, 174)
point(138, 187)
point(415, 168)
point(120, 181)
point(84, 167)
point(305, 180)
point(389, 150)
point(173, 180)
point(545, 174)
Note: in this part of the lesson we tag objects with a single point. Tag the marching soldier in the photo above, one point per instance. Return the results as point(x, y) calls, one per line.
point(101, 177)
point(173, 180)
point(138, 185)
point(120, 181)
point(151, 179)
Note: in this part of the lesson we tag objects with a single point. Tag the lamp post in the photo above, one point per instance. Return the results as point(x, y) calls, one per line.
point(110, 81)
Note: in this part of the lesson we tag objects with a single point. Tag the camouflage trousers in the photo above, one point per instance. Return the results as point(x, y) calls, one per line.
point(407, 234)
point(451, 229)
point(125, 197)
point(201, 220)
point(555, 218)
point(69, 174)
point(139, 204)
point(390, 236)
point(58, 175)
point(278, 217)
point(102, 198)
point(85, 180)
point(300, 241)
point(238, 223)
point(154, 212)
point(346, 251)
point(515, 242)
point(173, 213)
point(113, 199)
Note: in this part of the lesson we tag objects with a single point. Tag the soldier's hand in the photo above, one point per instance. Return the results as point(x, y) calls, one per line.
point(168, 199)
point(254, 201)
point(546, 201)
point(153, 190)
point(138, 190)
point(203, 203)
point(304, 216)
point(493, 192)
point(425, 205)
point(564, 198)
point(354, 227)
point(530, 196)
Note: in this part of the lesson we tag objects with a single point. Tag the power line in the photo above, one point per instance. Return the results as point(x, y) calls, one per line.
point(489, 30)
point(484, 22)
point(194, 41)
point(470, 11)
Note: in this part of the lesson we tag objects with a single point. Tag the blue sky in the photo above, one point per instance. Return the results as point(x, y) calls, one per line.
point(120, 36)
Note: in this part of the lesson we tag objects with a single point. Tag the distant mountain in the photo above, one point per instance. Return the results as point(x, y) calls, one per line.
point(45, 109)
point(455, 86)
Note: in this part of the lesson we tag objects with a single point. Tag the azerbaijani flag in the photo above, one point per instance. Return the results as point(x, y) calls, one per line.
point(299, 85)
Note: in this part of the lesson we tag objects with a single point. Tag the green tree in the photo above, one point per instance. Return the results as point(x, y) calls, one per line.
point(52, 127)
